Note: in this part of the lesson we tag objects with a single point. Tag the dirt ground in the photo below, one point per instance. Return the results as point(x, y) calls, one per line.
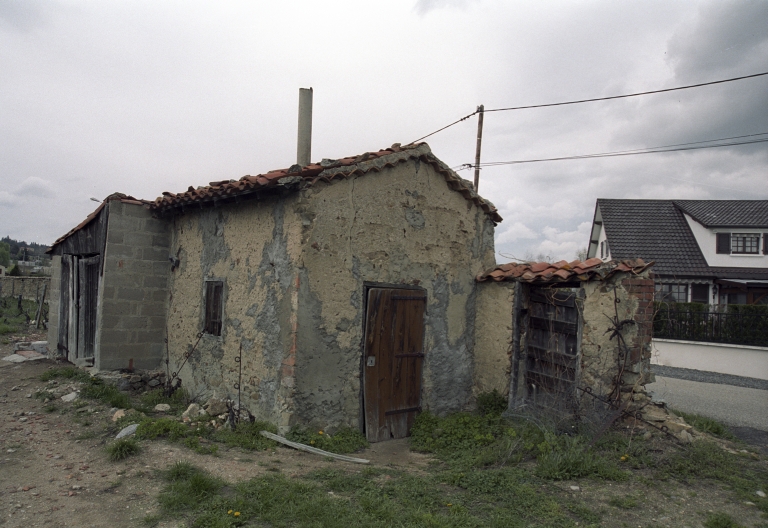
point(54, 470)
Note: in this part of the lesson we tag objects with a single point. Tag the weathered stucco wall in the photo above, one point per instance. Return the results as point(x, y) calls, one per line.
point(400, 226)
point(494, 329)
point(603, 363)
point(253, 248)
point(133, 289)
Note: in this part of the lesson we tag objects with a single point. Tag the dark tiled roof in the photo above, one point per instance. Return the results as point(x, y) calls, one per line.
point(727, 213)
point(652, 230)
point(327, 170)
point(124, 198)
point(544, 273)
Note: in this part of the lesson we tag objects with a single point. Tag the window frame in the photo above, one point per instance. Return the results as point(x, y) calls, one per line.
point(740, 239)
point(663, 292)
point(213, 307)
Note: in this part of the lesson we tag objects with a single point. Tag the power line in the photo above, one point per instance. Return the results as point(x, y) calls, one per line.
point(628, 95)
point(446, 126)
point(592, 100)
point(649, 150)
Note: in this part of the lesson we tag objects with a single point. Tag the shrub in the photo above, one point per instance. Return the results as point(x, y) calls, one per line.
point(491, 403)
point(72, 373)
point(96, 389)
point(150, 429)
point(122, 449)
point(247, 435)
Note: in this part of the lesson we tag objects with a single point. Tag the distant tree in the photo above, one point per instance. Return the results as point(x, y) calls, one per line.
point(5, 254)
point(15, 271)
point(582, 254)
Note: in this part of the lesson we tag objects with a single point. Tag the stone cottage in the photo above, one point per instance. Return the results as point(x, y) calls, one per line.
point(337, 293)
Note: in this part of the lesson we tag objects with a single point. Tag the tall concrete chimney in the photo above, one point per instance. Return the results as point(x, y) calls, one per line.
point(304, 148)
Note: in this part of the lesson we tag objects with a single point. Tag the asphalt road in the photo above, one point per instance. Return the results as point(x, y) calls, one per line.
point(731, 405)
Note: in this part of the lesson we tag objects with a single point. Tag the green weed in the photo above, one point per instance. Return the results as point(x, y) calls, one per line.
point(706, 425)
point(721, 520)
point(345, 440)
point(247, 436)
point(491, 403)
point(178, 400)
point(97, 389)
point(149, 429)
point(71, 373)
point(45, 395)
point(122, 449)
point(625, 503)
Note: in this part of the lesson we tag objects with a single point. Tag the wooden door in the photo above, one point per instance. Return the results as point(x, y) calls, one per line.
point(88, 292)
point(394, 337)
point(553, 343)
point(62, 344)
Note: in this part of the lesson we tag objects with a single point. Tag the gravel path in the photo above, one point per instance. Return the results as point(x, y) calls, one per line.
point(709, 377)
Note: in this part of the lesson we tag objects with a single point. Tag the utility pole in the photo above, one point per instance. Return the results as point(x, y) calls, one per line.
point(480, 111)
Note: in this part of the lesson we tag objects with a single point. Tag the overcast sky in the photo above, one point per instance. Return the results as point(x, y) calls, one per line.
point(145, 97)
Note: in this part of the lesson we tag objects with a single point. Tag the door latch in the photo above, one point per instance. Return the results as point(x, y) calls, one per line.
point(371, 361)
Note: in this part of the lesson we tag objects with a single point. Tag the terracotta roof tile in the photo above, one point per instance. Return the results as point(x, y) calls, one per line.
point(326, 170)
point(544, 272)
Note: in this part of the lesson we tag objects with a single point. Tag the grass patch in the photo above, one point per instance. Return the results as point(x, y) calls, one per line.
point(371, 497)
point(122, 449)
point(625, 503)
point(345, 440)
point(97, 389)
point(247, 436)
point(178, 400)
point(6, 328)
point(70, 373)
point(721, 520)
point(169, 428)
point(706, 425)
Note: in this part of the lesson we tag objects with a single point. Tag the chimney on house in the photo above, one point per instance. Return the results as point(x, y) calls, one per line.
point(304, 148)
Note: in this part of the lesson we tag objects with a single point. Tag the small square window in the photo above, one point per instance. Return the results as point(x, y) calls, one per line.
point(671, 293)
point(745, 243)
point(213, 307)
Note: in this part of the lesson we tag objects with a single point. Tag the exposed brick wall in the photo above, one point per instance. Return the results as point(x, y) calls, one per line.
point(641, 289)
point(134, 289)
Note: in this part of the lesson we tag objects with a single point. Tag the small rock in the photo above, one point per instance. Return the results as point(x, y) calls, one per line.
point(749, 503)
point(10, 450)
point(123, 385)
point(77, 487)
point(131, 429)
point(685, 437)
point(647, 435)
point(72, 396)
point(162, 407)
point(118, 414)
point(215, 407)
point(23, 419)
point(153, 383)
point(29, 395)
point(135, 379)
point(575, 488)
point(193, 412)
point(15, 388)
point(760, 494)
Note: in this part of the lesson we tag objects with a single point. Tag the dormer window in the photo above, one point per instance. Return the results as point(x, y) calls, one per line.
point(738, 243)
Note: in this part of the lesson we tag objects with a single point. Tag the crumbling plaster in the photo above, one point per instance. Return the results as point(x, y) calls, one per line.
point(296, 268)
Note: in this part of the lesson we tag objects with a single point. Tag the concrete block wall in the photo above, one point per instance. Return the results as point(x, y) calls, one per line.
point(54, 300)
point(134, 289)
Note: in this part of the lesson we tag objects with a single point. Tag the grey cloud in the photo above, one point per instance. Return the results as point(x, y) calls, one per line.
point(425, 6)
point(23, 15)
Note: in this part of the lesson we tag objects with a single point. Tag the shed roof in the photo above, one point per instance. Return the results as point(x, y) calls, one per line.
point(326, 170)
point(124, 198)
point(576, 271)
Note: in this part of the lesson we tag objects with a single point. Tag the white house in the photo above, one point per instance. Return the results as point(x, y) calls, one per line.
point(706, 251)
